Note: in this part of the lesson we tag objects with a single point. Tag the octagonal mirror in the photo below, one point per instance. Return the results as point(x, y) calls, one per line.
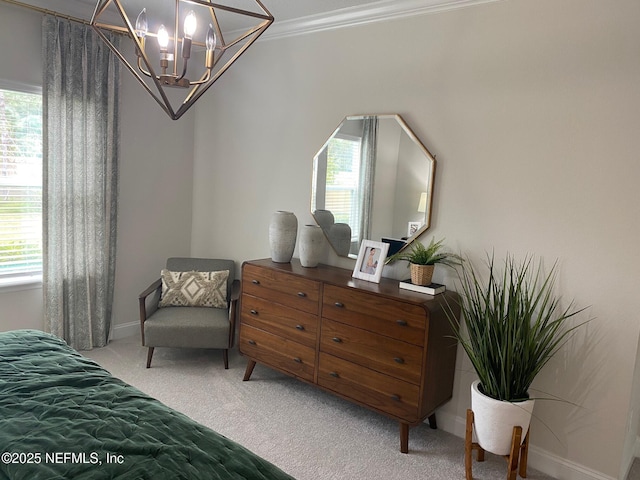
point(372, 179)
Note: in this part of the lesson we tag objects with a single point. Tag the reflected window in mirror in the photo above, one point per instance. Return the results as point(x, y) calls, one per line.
point(372, 179)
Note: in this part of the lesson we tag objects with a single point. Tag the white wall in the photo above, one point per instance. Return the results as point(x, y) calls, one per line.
point(156, 171)
point(20, 308)
point(155, 198)
point(532, 108)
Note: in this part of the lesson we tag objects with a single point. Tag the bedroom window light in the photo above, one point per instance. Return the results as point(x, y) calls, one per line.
point(20, 187)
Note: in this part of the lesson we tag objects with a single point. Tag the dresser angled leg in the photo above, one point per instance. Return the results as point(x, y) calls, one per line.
point(249, 370)
point(404, 437)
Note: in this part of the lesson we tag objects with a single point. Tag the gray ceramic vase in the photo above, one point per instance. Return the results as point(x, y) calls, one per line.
point(311, 245)
point(283, 230)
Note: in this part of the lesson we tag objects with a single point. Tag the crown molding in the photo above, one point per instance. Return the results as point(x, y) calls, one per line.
point(360, 15)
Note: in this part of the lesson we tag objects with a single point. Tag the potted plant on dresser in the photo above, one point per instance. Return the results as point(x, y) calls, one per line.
point(514, 326)
point(422, 260)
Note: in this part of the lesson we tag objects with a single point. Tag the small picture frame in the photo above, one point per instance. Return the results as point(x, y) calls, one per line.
point(370, 261)
point(412, 228)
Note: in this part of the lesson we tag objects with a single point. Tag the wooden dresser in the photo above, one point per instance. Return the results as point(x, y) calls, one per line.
point(373, 344)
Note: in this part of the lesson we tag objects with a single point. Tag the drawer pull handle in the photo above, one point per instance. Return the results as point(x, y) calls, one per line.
point(254, 312)
point(337, 340)
point(297, 359)
point(255, 282)
point(339, 305)
point(300, 327)
point(399, 360)
point(334, 374)
point(395, 397)
point(402, 323)
point(252, 342)
point(302, 294)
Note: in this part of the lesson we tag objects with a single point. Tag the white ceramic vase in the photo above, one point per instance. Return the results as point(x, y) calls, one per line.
point(494, 420)
point(340, 238)
point(311, 245)
point(283, 230)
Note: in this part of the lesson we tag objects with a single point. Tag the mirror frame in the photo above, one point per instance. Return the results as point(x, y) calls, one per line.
point(430, 164)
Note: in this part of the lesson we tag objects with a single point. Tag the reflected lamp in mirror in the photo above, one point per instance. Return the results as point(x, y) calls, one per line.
point(366, 180)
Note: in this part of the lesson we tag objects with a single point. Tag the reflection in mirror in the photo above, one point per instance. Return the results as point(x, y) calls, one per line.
point(372, 179)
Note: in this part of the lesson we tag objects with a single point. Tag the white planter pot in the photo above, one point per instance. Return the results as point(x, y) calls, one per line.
point(494, 420)
point(283, 230)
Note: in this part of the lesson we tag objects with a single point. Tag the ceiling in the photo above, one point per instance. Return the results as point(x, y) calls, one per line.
point(281, 9)
point(291, 16)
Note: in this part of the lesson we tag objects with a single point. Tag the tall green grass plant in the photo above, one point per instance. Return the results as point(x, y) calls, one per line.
point(514, 324)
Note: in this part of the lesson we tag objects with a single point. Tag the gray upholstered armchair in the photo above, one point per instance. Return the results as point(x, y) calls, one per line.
point(192, 305)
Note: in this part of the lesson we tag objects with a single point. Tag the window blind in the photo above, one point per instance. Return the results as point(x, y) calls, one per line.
point(20, 183)
point(343, 176)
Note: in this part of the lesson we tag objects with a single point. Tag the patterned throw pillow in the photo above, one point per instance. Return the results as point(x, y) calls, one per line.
point(194, 289)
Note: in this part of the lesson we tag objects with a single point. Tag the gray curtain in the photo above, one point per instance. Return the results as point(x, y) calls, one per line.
point(80, 183)
point(368, 153)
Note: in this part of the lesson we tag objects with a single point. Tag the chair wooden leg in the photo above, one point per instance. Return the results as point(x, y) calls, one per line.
point(225, 357)
point(149, 356)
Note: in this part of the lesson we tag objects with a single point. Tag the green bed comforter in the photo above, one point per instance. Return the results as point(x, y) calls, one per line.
point(63, 416)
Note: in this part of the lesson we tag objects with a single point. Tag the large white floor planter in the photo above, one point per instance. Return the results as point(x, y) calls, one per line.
point(494, 420)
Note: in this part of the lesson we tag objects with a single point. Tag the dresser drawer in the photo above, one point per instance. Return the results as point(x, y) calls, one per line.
point(292, 357)
point(280, 320)
point(380, 353)
point(393, 318)
point(374, 389)
point(283, 288)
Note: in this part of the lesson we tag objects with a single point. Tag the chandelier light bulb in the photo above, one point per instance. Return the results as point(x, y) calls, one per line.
point(190, 24)
point(142, 27)
point(163, 38)
point(211, 38)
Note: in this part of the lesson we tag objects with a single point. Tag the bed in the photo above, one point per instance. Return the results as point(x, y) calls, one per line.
point(64, 416)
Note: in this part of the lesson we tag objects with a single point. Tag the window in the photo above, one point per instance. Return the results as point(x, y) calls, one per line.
point(343, 179)
point(20, 184)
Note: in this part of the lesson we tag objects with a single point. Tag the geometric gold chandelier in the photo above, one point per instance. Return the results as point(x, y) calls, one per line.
point(180, 48)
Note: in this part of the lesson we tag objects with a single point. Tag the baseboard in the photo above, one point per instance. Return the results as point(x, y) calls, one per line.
point(539, 459)
point(125, 330)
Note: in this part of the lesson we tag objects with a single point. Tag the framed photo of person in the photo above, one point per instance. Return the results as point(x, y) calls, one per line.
point(370, 261)
point(413, 227)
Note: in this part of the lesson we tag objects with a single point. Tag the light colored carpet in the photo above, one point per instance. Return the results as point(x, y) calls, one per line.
point(310, 434)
